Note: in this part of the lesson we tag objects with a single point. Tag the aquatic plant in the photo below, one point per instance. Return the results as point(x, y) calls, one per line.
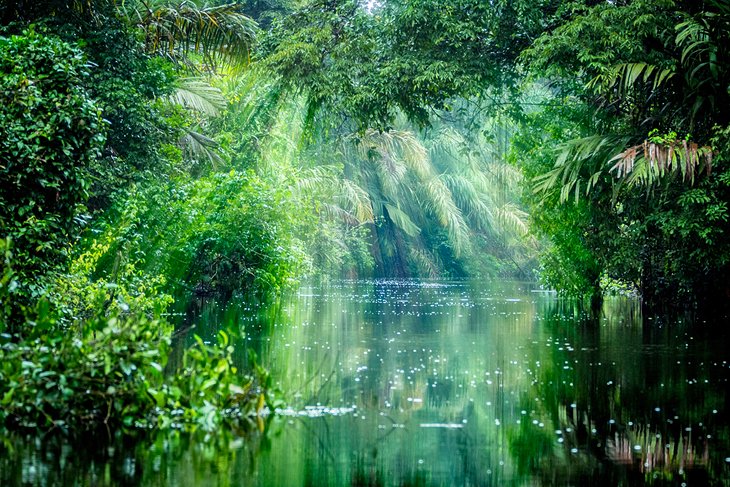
point(113, 369)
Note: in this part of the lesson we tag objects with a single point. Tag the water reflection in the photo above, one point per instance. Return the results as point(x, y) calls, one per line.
point(434, 383)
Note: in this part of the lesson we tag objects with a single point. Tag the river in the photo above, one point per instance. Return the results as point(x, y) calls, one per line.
point(436, 383)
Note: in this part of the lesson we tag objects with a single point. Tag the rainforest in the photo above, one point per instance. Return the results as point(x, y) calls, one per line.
point(364, 242)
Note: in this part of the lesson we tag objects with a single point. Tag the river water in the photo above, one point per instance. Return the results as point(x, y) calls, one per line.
point(433, 383)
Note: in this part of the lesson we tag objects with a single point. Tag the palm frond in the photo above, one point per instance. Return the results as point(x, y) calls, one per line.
point(513, 219)
point(338, 213)
point(427, 264)
point(693, 36)
point(390, 171)
point(580, 165)
point(625, 76)
point(400, 145)
point(402, 220)
point(356, 199)
point(221, 34)
point(254, 98)
point(440, 201)
point(504, 175)
point(198, 94)
point(314, 180)
point(645, 164)
point(448, 138)
point(198, 146)
point(470, 199)
point(350, 202)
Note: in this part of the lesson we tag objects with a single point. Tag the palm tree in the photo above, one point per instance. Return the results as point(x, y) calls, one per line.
point(420, 189)
point(220, 35)
point(196, 38)
point(427, 201)
point(486, 189)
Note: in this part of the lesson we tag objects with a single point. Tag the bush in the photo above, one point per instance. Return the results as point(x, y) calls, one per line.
point(52, 131)
point(235, 233)
point(112, 371)
point(130, 87)
point(224, 233)
point(115, 370)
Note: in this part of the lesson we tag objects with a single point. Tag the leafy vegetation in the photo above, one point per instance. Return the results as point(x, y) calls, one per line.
point(92, 116)
point(374, 62)
point(154, 150)
point(52, 134)
point(110, 369)
point(647, 168)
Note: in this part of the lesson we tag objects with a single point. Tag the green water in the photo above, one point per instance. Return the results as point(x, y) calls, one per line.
point(436, 383)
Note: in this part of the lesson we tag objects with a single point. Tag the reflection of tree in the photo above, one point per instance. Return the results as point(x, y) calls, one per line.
point(439, 392)
point(625, 403)
point(596, 380)
point(405, 347)
point(366, 475)
point(649, 452)
point(162, 458)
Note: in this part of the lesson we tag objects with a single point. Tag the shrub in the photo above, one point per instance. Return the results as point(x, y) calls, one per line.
point(115, 370)
point(223, 233)
point(112, 371)
point(51, 132)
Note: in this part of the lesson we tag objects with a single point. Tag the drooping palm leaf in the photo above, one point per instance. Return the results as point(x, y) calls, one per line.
point(441, 202)
point(198, 146)
point(350, 202)
point(402, 220)
point(580, 165)
point(356, 199)
point(426, 262)
point(198, 94)
point(625, 76)
point(221, 34)
point(314, 179)
point(513, 219)
point(645, 164)
point(394, 144)
point(471, 200)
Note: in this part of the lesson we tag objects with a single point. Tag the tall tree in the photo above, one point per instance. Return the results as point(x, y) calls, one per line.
point(373, 61)
point(651, 161)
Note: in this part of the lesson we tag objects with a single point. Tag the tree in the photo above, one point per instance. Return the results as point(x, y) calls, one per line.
point(398, 57)
point(651, 161)
point(52, 132)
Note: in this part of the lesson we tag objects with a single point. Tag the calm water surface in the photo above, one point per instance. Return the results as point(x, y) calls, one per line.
point(427, 383)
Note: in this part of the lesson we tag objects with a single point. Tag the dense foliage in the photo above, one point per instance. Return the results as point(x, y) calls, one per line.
point(157, 150)
point(88, 117)
point(646, 167)
point(620, 124)
point(228, 232)
point(52, 135)
point(373, 62)
point(113, 368)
